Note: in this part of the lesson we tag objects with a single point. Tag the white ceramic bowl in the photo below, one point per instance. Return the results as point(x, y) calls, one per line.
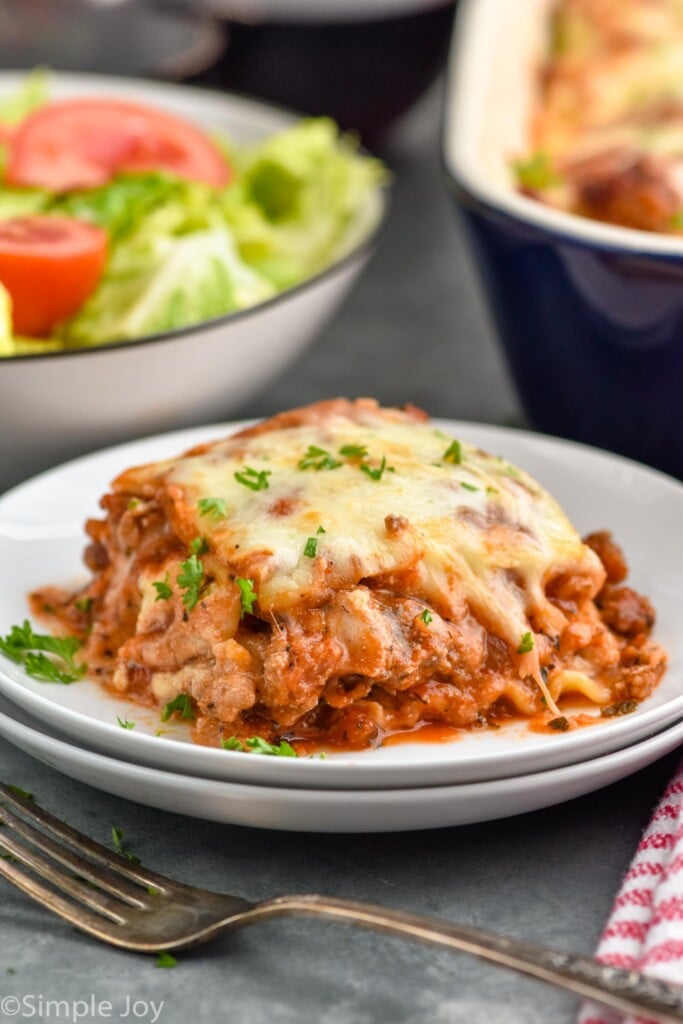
point(63, 403)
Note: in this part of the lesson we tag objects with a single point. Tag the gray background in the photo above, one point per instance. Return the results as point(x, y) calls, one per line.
point(414, 330)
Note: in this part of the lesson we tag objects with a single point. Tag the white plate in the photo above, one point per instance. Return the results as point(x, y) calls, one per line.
point(41, 541)
point(316, 810)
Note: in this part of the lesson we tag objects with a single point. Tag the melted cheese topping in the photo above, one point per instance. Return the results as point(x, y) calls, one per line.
point(476, 535)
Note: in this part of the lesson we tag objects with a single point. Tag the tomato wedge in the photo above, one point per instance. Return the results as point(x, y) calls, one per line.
point(49, 266)
point(83, 143)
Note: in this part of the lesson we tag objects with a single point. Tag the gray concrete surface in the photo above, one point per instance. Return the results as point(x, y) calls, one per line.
point(415, 329)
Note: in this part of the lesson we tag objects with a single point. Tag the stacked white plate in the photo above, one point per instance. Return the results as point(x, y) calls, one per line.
point(479, 776)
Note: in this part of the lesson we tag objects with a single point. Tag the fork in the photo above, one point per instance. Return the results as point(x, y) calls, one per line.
point(120, 902)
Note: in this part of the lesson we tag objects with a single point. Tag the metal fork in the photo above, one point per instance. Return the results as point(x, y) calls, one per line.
point(125, 904)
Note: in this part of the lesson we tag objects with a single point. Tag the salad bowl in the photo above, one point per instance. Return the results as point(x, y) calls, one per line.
point(58, 403)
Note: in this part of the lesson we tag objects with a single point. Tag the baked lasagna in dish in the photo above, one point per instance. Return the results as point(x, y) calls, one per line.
point(342, 572)
point(607, 131)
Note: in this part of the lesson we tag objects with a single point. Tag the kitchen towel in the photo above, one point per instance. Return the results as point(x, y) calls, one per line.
point(645, 928)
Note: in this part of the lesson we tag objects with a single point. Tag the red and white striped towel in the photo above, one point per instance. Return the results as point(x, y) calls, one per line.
point(645, 929)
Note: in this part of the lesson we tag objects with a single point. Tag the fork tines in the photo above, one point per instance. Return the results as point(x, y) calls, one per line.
point(112, 893)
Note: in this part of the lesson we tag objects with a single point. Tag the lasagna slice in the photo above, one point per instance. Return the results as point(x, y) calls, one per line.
point(343, 571)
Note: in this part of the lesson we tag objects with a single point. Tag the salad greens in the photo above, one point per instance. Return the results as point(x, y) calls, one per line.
point(181, 252)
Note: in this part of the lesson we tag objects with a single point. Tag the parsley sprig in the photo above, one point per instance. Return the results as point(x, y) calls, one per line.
point(181, 705)
point(526, 643)
point(257, 745)
point(163, 589)
point(214, 507)
point(165, 959)
point(254, 479)
point(453, 453)
point(536, 172)
point(25, 647)
point(318, 458)
point(248, 596)
point(191, 575)
point(376, 473)
point(354, 451)
point(117, 840)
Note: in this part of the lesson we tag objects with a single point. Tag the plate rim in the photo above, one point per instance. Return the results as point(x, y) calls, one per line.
point(290, 772)
point(349, 802)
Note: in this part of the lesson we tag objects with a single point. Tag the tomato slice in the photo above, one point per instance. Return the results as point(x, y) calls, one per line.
point(49, 265)
point(83, 143)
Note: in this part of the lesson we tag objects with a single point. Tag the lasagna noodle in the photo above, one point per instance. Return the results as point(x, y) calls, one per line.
point(341, 571)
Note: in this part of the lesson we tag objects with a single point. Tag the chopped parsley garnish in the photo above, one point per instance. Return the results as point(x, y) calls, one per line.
point(124, 723)
point(257, 745)
point(133, 503)
point(247, 595)
point(42, 668)
point(164, 592)
point(214, 507)
point(536, 172)
point(492, 490)
point(377, 474)
point(624, 707)
point(191, 578)
point(260, 746)
point(117, 839)
point(22, 638)
point(453, 453)
point(354, 451)
point(21, 645)
point(153, 891)
point(23, 793)
point(181, 705)
point(231, 743)
point(676, 222)
point(254, 479)
point(311, 548)
point(83, 604)
point(318, 458)
point(199, 546)
point(468, 487)
point(526, 643)
point(426, 616)
point(165, 960)
point(321, 529)
point(559, 724)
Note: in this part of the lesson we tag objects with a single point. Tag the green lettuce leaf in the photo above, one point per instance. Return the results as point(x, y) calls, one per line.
point(31, 94)
point(303, 199)
point(162, 283)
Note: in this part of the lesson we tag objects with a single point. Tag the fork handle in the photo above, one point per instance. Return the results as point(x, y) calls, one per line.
point(625, 991)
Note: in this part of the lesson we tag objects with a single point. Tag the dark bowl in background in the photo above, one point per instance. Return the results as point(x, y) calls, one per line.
point(590, 315)
point(126, 37)
point(363, 64)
